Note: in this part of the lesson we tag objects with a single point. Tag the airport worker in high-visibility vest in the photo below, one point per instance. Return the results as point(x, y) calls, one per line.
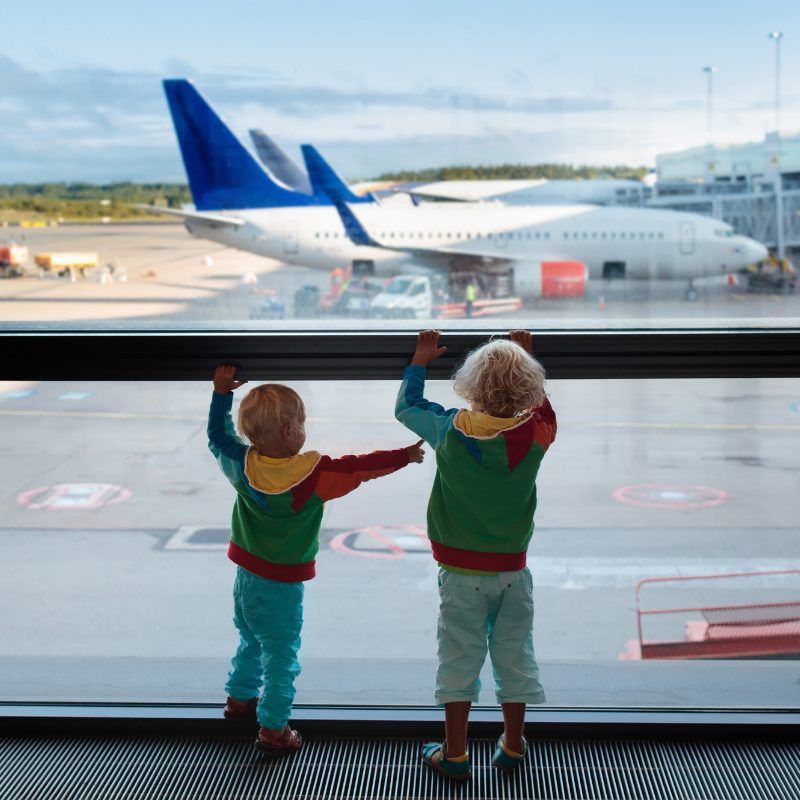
point(470, 295)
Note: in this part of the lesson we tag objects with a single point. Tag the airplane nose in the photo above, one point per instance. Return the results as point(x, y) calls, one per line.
point(755, 251)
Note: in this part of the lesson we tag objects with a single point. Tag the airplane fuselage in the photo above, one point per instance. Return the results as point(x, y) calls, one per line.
point(647, 243)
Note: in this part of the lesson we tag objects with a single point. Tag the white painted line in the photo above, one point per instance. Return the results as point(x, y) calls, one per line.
point(74, 395)
point(584, 573)
point(181, 539)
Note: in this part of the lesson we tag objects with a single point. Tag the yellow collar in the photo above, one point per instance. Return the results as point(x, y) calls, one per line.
point(278, 475)
point(484, 426)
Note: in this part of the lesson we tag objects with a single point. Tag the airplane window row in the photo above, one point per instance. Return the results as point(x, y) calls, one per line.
point(516, 235)
point(499, 235)
point(613, 235)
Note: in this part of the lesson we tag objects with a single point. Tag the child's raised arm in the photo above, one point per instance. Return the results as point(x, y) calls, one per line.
point(337, 477)
point(428, 420)
point(225, 445)
point(545, 413)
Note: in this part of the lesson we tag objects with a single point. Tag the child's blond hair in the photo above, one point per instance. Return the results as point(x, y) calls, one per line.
point(501, 379)
point(266, 408)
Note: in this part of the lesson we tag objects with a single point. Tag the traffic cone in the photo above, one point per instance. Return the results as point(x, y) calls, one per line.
point(601, 303)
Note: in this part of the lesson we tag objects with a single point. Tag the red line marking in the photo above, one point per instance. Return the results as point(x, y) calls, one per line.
point(641, 495)
point(47, 497)
point(340, 542)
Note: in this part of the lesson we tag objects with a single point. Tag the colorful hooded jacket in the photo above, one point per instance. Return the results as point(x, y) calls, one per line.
point(480, 512)
point(279, 501)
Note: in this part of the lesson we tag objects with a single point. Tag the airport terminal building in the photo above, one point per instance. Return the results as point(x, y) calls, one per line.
point(753, 186)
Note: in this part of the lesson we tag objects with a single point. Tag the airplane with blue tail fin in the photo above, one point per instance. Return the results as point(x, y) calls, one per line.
point(279, 164)
point(238, 203)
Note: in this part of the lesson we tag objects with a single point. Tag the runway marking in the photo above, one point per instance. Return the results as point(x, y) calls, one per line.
point(582, 572)
point(73, 496)
point(201, 538)
point(74, 395)
point(701, 426)
point(32, 412)
point(670, 495)
point(689, 426)
point(382, 541)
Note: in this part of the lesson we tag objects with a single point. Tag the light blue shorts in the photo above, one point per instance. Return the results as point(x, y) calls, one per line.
point(486, 612)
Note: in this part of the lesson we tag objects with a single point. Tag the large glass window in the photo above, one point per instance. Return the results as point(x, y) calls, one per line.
point(116, 584)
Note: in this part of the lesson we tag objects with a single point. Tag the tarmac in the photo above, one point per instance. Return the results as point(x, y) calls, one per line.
point(168, 275)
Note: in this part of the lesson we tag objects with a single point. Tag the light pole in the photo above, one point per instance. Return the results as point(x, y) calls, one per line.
point(776, 36)
point(709, 118)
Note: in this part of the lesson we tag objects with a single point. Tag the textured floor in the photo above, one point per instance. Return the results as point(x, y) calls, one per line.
point(215, 767)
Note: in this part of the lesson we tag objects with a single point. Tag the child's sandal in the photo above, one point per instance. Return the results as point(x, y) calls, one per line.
point(454, 770)
point(282, 743)
point(507, 760)
point(240, 709)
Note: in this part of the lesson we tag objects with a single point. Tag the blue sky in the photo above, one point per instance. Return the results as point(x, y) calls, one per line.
point(379, 86)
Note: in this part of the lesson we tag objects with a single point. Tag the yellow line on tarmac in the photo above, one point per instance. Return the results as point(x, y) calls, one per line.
point(677, 426)
point(33, 412)
point(30, 412)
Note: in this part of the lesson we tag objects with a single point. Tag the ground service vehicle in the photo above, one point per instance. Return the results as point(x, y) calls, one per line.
point(70, 264)
point(13, 258)
point(429, 297)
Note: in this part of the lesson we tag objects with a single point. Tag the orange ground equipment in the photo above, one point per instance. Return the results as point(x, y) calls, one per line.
point(750, 630)
point(13, 258)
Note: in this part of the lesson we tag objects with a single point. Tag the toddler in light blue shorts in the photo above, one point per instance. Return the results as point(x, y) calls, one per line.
point(480, 523)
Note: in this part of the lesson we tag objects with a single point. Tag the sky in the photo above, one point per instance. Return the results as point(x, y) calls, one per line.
point(379, 86)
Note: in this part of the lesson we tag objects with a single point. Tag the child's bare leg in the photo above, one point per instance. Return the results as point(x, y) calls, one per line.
point(514, 719)
point(456, 716)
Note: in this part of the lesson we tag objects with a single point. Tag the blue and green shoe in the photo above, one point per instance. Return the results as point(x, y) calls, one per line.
point(454, 770)
point(507, 760)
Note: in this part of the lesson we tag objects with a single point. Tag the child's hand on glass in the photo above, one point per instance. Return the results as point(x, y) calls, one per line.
point(523, 339)
point(427, 348)
point(225, 379)
point(416, 454)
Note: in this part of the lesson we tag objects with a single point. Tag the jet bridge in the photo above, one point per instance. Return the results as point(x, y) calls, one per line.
point(751, 214)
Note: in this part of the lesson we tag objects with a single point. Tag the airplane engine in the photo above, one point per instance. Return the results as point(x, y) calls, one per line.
point(550, 278)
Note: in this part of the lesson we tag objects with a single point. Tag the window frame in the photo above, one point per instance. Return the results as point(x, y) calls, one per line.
point(49, 352)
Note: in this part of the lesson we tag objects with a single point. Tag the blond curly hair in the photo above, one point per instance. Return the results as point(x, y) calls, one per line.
point(501, 379)
point(266, 408)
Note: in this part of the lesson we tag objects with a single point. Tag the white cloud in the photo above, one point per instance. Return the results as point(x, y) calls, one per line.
point(105, 125)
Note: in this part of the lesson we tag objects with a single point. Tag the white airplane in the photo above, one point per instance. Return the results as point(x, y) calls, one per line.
point(537, 247)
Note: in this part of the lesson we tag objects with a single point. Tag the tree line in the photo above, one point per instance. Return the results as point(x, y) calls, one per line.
point(84, 201)
point(515, 172)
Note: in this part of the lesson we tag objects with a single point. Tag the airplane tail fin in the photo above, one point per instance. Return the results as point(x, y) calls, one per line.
point(325, 182)
point(279, 164)
point(222, 173)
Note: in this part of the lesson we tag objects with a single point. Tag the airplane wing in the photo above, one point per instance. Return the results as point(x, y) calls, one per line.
point(467, 191)
point(215, 220)
point(323, 177)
